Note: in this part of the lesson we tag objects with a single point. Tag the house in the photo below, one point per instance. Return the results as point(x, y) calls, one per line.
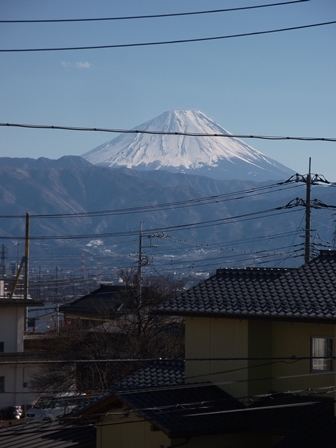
point(113, 322)
point(259, 366)
point(15, 366)
point(100, 305)
point(262, 330)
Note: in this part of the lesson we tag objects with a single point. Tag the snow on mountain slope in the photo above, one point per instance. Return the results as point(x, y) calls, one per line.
point(216, 157)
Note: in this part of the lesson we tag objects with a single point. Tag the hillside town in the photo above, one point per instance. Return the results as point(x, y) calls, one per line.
point(244, 357)
point(139, 353)
point(167, 224)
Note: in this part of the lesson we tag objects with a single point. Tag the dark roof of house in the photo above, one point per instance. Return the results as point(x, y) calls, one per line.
point(157, 393)
point(47, 435)
point(106, 301)
point(156, 374)
point(153, 375)
point(305, 421)
point(307, 293)
point(201, 409)
point(188, 410)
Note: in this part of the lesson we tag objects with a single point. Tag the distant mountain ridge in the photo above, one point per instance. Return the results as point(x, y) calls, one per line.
point(44, 162)
point(220, 158)
point(74, 192)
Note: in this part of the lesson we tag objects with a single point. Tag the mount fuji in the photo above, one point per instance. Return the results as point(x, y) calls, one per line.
point(221, 158)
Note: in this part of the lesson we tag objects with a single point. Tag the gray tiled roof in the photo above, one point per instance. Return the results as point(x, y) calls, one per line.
point(47, 435)
point(156, 374)
point(306, 293)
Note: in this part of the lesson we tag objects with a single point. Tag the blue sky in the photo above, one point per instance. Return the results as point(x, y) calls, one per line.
point(274, 84)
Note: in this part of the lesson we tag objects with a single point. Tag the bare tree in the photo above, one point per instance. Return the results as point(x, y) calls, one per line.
point(134, 332)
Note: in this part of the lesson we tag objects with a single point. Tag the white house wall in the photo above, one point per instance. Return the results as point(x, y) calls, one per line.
point(12, 328)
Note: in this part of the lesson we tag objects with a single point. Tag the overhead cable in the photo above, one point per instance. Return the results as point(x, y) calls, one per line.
point(167, 42)
point(193, 225)
point(206, 200)
point(154, 16)
point(154, 132)
point(140, 360)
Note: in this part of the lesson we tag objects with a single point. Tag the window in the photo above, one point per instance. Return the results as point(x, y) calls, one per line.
point(321, 349)
point(2, 384)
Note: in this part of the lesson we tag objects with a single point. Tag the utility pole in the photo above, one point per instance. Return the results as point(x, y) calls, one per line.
point(140, 264)
point(25, 262)
point(56, 284)
point(26, 276)
point(3, 261)
point(57, 318)
point(83, 262)
point(334, 234)
point(309, 180)
point(39, 283)
point(308, 215)
point(141, 259)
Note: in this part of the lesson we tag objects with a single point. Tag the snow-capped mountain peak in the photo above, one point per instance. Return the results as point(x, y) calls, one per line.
point(216, 157)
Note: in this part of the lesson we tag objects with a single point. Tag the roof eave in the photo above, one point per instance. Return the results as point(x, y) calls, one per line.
point(5, 303)
point(245, 316)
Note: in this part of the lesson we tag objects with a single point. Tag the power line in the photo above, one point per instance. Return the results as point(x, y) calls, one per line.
point(119, 416)
point(154, 16)
point(206, 200)
point(170, 261)
point(238, 241)
point(254, 256)
point(193, 225)
point(186, 134)
point(259, 408)
point(168, 42)
point(141, 360)
point(222, 250)
point(320, 390)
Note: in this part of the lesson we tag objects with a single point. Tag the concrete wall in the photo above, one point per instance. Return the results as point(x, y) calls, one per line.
point(17, 379)
point(12, 321)
point(12, 324)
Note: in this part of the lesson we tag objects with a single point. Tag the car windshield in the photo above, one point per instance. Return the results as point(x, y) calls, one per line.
point(44, 402)
point(48, 402)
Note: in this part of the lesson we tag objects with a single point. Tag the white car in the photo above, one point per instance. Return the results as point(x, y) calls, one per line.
point(50, 407)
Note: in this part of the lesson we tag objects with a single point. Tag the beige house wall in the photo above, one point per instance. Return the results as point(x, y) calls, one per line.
point(234, 440)
point(130, 432)
point(125, 432)
point(294, 339)
point(217, 338)
point(260, 346)
point(230, 338)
